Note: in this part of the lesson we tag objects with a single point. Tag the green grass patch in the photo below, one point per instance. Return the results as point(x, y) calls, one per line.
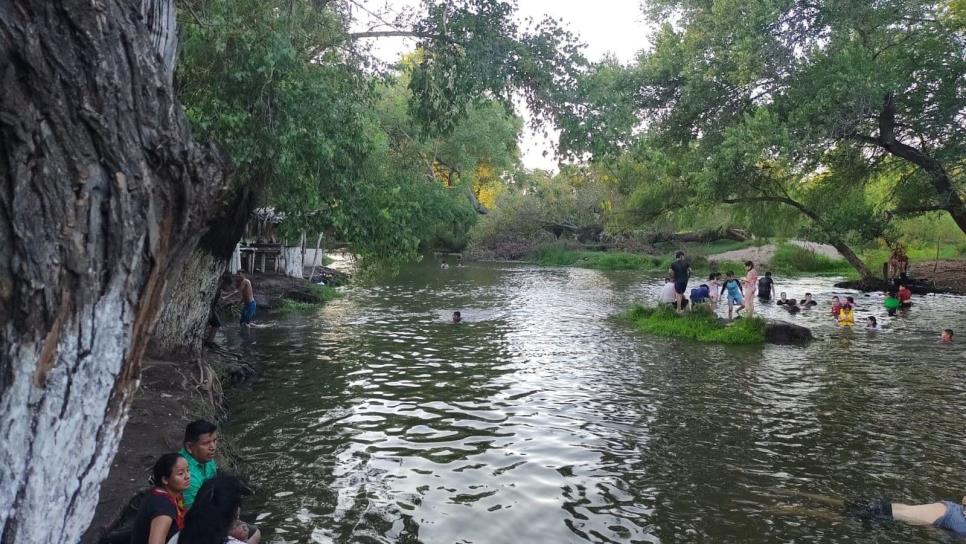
point(701, 325)
point(792, 259)
point(289, 306)
point(325, 292)
point(599, 260)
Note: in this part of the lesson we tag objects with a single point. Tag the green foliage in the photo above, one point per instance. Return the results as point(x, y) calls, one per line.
point(476, 48)
point(701, 325)
point(289, 306)
point(555, 255)
point(775, 107)
point(314, 133)
point(325, 292)
point(792, 259)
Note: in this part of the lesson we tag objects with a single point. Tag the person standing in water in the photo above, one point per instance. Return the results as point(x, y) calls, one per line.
point(681, 272)
point(751, 286)
point(244, 287)
point(733, 287)
point(766, 287)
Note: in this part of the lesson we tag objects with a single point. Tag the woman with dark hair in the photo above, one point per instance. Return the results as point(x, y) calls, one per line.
point(162, 512)
point(213, 518)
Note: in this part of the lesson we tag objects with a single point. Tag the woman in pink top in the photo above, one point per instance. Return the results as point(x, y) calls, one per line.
point(751, 285)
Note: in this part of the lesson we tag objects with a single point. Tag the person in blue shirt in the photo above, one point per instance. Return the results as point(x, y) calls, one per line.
point(701, 294)
point(732, 287)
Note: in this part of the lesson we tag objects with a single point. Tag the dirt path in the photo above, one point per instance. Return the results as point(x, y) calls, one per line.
point(765, 253)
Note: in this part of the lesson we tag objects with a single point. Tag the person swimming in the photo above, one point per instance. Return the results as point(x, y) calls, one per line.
point(872, 323)
point(807, 301)
point(783, 299)
point(891, 303)
point(792, 307)
point(457, 317)
point(836, 306)
point(946, 337)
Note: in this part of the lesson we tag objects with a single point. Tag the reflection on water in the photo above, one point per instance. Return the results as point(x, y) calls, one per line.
point(542, 418)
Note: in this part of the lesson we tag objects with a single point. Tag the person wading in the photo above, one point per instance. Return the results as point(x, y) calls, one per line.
point(680, 271)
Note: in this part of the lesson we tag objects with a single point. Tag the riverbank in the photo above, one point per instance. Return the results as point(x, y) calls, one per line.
point(170, 395)
point(173, 393)
point(791, 259)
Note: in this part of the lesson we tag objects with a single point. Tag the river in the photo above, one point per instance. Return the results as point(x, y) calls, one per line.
point(544, 418)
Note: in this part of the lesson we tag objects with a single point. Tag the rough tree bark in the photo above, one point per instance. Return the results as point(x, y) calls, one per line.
point(102, 194)
point(180, 332)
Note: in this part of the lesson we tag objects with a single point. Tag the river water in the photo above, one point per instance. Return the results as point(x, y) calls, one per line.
point(543, 418)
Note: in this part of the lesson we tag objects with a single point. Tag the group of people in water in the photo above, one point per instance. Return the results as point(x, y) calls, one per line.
point(741, 294)
point(190, 501)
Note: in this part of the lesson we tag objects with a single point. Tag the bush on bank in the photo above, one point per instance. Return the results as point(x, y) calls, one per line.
point(701, 325)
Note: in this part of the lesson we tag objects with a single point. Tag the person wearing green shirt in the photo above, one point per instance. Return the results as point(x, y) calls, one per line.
point(200, 445)
point(892, 303)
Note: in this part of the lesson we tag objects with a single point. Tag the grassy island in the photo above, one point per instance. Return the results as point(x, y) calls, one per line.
point(701, 325)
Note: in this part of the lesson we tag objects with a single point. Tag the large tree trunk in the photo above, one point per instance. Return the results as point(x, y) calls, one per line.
point(181, 328)
point(102, 195)
point(853, 259)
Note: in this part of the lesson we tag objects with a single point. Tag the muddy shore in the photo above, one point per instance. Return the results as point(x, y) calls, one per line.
point(174, 392)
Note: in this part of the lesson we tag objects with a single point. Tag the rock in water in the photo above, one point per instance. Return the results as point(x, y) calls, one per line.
point(783, 332)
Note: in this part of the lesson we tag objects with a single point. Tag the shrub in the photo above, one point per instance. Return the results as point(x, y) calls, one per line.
point(791, 259)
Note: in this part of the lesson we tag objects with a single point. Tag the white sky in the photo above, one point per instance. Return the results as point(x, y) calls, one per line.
point(605, 26)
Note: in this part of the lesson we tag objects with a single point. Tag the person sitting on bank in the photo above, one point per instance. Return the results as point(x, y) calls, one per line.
point(846, 316)
point(783, 299)
point(836, 306)
point(681, 272)
point(946, 515)
point(444, 266)
point(700, 295)
point(200, 446)
point(905, 296)
point(891, 303)
point(807, 302)
point(946, 337)
point(766, 286)
point(161, 515)
point(244, 287)
point(457, 317)
point(733, 288)
point(214, 517)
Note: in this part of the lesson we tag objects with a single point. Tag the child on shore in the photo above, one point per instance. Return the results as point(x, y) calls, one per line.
point(161, 515)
